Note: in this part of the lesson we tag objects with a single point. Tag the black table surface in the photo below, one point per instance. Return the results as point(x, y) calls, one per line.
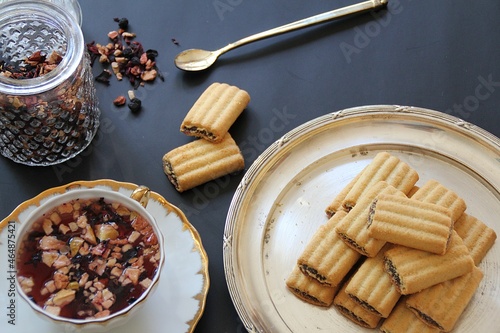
point(442, 55)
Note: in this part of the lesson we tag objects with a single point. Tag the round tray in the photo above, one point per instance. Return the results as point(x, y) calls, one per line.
point(281, 201)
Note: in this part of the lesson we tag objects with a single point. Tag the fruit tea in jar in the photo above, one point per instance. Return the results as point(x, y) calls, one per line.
point(48, 107)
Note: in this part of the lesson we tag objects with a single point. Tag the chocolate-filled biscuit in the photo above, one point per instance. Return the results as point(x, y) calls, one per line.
point(336, 203)
point(413, 270)
point(309, 289)
point(383, 167)
point(326, 257)
point(477, 236)
point(409, 222)
point(353, 229)
point(371, 286)
point(441, 305)
point(435, 192)
point(215, 111)
point(200, 161)
point(403, 320)
point(352, 310)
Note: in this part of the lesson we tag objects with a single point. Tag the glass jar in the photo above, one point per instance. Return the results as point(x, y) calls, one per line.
point(50, 117)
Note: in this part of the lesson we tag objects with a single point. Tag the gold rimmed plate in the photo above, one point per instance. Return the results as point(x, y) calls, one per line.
point(179, 301)
point(281, 202)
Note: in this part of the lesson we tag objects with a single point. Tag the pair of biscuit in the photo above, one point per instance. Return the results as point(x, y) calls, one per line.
point(441, 305)
point(353, 229)
point(423, 222)
point(215, 153)
point(326, 257)
point(322, 266)
point(353, 310)
point(309, 289)
point(383, 167)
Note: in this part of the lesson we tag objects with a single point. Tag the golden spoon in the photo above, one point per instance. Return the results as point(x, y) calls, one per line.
point(197, 59)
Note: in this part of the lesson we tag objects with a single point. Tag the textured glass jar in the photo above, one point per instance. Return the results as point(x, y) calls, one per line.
point(50, 118)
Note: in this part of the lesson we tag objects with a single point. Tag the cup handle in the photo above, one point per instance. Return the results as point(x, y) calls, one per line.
point(141, 195)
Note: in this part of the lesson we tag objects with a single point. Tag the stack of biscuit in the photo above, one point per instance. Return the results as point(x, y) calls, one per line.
point(215, 153)
point(393, 254)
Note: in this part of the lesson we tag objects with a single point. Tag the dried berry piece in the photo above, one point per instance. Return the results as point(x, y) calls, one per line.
point(151, 54)
point(113, 35)
point(122, 23)
point(135, 105)
point(120, 100)
point(93, 52)
point(104, 77)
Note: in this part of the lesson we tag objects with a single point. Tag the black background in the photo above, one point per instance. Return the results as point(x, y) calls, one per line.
point(443, 55)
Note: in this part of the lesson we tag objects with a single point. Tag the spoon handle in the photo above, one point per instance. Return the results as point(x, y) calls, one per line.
point(307, 22)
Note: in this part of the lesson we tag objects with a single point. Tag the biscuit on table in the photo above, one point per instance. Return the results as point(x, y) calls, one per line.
point(200, 161)
point(403, 320)
point(326, 257)
point(310, 290)
point(372, 287)
point(353, 228)
point(413, 270)
point(476, 235)
point(354, 311)
point(441, 305)
point(412, 223)
point(383, 167)
point(434, 192)
point(215, 111)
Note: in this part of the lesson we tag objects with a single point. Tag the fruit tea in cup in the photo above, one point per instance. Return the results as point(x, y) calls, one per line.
point(88, 258)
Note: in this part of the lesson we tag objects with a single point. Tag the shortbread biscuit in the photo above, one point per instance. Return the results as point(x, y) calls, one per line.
point(354, 311)
point(413, 270)
point(384, 167)
point(200, 161)
point(403, 320)
point(477, 236)
point(372, 287)
point(336, 204)
point(441, 305)
point(215, 111)
point(435, 192)
point(310, 290)
point(326, 257)
point(409, 222)
point(353, 228)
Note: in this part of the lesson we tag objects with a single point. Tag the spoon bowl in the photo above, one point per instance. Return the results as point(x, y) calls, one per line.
point(198, 60)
